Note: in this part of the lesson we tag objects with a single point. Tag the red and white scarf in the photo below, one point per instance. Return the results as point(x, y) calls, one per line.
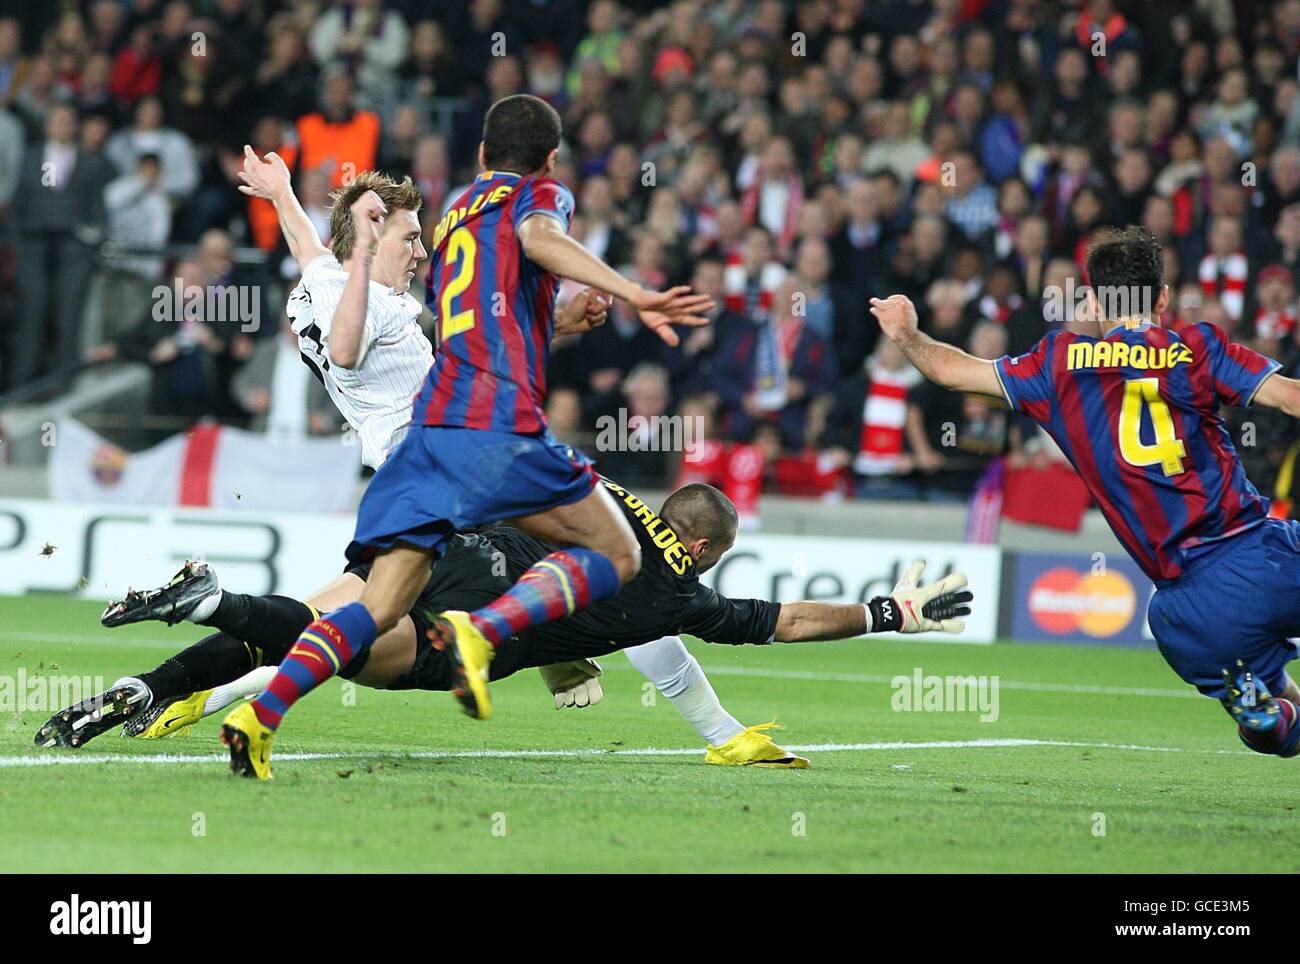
point(1233, 269)
point(1275, 324)
point(752, 198)
point(884, 418)
point(735, 281)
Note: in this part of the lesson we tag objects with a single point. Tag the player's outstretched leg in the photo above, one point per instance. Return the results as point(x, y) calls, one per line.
point(171, 604)
point(604, 554)
point(174, 715)
point(1265, 723)
point(556, 586)
point(78, 724)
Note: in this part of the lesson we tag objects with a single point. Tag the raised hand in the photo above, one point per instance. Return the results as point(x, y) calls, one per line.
point(933, 608)
point(587, 309)
point(660, 310)
point(368, 213)
point(896, 314)
point(266, 177)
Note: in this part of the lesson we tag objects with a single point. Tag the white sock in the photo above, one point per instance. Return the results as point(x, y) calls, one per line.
point(677, 674)
point(250, 684)
point(205, 607)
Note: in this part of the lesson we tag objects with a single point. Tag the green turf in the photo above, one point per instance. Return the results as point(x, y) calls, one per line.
point(1205, 807)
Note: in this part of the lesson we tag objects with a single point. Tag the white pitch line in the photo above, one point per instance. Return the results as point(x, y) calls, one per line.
point(50, 759)
point(815, 676)
point(825, 677)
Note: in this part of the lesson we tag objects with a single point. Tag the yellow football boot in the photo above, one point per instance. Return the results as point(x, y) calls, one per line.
point(470, 655)
point(755, 748)
point(170, 717)
point(249, 742)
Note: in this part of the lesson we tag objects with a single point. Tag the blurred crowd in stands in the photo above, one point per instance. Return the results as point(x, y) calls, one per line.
point(793, 158)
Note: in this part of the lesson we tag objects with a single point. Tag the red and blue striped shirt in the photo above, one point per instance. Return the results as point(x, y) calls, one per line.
point(494, 308)
point(1137, 414)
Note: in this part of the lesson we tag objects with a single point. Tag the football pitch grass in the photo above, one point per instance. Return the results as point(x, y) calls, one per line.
point(1100, 760)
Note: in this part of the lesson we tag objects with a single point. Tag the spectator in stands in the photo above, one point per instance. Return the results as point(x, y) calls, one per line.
point(13, 66)
point(777, 370)
point(139, 216)
point(832, 311)
point(339, 137)
point(149, 135)
point(897, 148)
point(865, 430)
point(285, 83)
point(1224, 271)
point(773, 197)
point(138, 67)
point(642, 404)
point(12, 147)
point(58, 214)
point(690, 364)
point(367, 42)
point(920, 258)
point(180, 346)
point(858, 248)
point(279, 392)
point(40, 90)
point(432, 70)
point(953, 436)
point(598, 224)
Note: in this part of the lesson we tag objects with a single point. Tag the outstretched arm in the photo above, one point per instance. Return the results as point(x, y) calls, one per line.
point(939, 362)
point(269, 178)
point(908, 609)
point(1280, 392)
point(347, 344)
point(545, 242)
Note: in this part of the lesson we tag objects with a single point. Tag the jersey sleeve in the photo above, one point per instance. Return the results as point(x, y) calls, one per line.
point(716, 619)
point(323, 280)
point(1238, 371)
point(1027, 379)
point(544, 196)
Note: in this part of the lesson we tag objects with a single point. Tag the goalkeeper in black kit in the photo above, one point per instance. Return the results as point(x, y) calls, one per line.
point(688, 536)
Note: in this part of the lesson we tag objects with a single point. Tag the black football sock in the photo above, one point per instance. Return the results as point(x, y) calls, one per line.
point(217, 659)
point(272, 623)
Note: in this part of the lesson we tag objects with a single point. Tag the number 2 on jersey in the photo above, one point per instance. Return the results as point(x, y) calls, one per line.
point(462, 250)
point(1168, 450)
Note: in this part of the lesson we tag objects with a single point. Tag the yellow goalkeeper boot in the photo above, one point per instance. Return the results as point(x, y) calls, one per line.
point(754, 747)
point(249, 742)
point(170, 717)
point(470, 654)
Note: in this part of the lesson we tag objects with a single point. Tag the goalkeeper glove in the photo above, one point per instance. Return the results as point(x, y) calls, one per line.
point(574, 684)
point(924, 609)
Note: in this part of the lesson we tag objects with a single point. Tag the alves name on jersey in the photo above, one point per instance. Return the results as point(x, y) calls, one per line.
point(494, 308)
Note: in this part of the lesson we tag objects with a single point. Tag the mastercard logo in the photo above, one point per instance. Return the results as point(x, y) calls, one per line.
point(1064, 600)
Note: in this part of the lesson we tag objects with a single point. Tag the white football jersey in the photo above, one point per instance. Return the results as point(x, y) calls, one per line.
point(375, 397)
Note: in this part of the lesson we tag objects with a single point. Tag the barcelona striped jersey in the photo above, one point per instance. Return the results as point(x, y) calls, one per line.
point(1137, 414)
point(494, 308)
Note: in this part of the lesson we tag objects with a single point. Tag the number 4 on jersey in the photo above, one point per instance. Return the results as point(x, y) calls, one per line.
point(1168, 450)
